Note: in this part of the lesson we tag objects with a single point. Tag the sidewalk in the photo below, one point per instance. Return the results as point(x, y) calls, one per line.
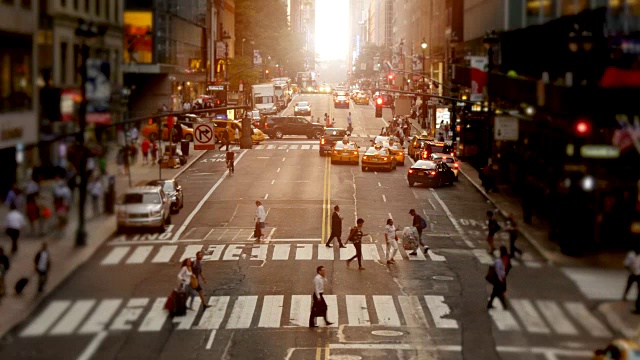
point(65, 257)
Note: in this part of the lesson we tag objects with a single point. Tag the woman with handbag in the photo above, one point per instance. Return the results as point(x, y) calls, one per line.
point(497, 276)
point(186, 285)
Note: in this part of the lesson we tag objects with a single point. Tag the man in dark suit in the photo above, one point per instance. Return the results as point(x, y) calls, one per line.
point(336, 227)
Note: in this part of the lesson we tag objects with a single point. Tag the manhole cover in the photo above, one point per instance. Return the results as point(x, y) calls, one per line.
point(344, 357)
point(387, 333)
point(443, 278)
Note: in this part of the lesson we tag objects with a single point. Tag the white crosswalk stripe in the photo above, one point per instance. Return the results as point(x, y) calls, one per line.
point(548, 317)
point(139, 254)
point(486, 259)
point(91, 316)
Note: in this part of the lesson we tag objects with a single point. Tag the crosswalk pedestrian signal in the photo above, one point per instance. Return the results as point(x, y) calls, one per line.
point(379, 107)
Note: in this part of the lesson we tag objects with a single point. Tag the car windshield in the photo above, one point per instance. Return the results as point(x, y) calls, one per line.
point(424, 164)
point(302, 104)
point(444, 158)
point(437, 148)
point(373, 151)
point(335, 132)
point(167, 186)
point(342, 146)
point(142, 198)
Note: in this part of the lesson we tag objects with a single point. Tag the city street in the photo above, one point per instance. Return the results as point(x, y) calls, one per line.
point(431, 306)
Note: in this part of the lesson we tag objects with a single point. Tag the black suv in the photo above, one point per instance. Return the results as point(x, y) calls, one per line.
point(329, 138)
point(278, 126)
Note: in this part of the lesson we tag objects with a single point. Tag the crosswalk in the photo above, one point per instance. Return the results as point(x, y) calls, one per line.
point(143, 314)
point(486, 259)
point(283, 146)
point(173, 253)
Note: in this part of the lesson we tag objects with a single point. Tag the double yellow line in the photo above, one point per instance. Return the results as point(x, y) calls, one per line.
point(319, 349)
point(326, 200)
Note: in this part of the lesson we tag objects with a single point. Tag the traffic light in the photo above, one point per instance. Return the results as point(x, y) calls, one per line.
point(390, 79)
point(379, 107)
point(583, 127)
point(266, 73)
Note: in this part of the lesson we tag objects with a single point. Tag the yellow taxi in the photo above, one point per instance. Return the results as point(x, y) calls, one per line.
point(416, 144)
point(361, 99)
point(378, 158)
point(345, 152)
point(151, 132)
point(619, 349)
point(393, 146)
point(230, 126)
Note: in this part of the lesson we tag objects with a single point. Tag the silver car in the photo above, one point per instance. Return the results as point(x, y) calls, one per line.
point(302, 108)
point(144, 206)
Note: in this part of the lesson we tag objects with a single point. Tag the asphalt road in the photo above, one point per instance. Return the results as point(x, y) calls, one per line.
point(422, 307)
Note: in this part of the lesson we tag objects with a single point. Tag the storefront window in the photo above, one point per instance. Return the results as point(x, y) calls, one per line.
point(16, 87)
point(571, 7)
point(138, 37)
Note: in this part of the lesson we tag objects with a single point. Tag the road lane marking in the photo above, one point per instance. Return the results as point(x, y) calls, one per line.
point(93, 346)
point(529, 316)
point(324, 202)
point(293, 147)
point(586, 319)
point(185, 322)
point(43, 322)
point(305, 147)
point(304, 252)
point(412, 310)
point(332, 311)
point(210, 340)
point(139, 255)
point(379, 184)
point(266, 196)
point(116, 255)
point(556, 318)
point(324, 252)
point(370, 252)
point(271, 311)
point(281, 252)
point(242, 312)
point(348, 252)
point(300, 307)
point(233, 252)
point(259, 252)
point(504, 320)
point(100, 316)
point(463, 235)
point(190, 252)
point(73, 317)
point(384, 198)
point(129, 314)
point(436, 257)
point(283, 159)
point(273, 182)
point(213, 316)
point(189, 218)
point(278, 170)
point(165, 254)
point(419, 256)
point(357, 312)
point(439, 309)
point(271, 147)
point(386, 310)
point(315, 147)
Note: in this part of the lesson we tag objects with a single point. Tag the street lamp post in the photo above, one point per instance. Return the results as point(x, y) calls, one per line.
point(490, 40)
point(424, 97)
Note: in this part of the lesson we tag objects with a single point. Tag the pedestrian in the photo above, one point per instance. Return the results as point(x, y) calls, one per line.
point(225, 140)
point(632, 263)
point(43, 264)
point(96, 190)
point(492, 229)
point(13, 223)
point(154, 152)
point(13, 197)
point(319, 307)
point(349, 124)
point(133, 135)
point(259, 220)
point(355, 235)
point(4, 267)
point(237, 137)
point(419, 223)
point(512, 229)
point(61, 202)
point(391, 238)
point(327, 120)
point(144, 147)
point(120, 158)
point(197, 272)
point(187, 285)
point(501, 267)
point(336, 227)
point(32, 190)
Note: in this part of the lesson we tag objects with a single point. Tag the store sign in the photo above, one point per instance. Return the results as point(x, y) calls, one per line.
point(257, 57)
point(599, 152)
point(478, 77)
point(506, 128)
point(215, 87)
point(138, 37)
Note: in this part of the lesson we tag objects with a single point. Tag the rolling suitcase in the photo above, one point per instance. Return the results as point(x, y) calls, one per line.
point(180, 308)
point(20, 284)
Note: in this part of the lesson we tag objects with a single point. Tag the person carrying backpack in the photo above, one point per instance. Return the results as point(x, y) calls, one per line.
point(419, 223)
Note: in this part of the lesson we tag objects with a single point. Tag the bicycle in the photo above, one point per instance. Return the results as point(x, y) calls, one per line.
point(230, 166)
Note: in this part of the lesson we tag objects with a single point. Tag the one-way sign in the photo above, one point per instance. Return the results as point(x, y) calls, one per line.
point(204, 137)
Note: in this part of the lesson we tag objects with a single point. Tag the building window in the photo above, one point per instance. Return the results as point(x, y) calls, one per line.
point(63, 62)
point(16, 84)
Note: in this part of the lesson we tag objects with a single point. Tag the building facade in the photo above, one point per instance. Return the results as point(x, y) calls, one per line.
point(18, 90)
point(166, 53)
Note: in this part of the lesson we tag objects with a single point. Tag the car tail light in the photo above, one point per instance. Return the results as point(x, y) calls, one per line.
point(365, 158)
point(432, 172)
point(384, 158)
point(336, 152)
point(424, 155)
point(354, 153)
point(266, 125)
point(411, 171)
point(455, 166)
point(323, 141)
point(452, 153)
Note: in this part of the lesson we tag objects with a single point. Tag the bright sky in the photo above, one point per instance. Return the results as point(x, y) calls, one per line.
point(332, 29)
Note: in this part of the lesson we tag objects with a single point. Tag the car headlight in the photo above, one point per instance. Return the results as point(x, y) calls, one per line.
point(156, 212)
point(588, 183)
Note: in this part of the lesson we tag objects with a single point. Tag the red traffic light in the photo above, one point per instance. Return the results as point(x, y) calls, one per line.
point(583, 127)
point(266, 71)
point(390, 76)
point(379, 101)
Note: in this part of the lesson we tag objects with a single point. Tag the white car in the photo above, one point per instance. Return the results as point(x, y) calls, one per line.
point(448, 159)
point(144, 206)
point(302, 108)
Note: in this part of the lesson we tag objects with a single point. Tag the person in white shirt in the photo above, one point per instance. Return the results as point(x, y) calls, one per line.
point(96, 190)
point(13, 223)
point(632, 263)
point(259, 220)
point(237, 136)
point(392, 241)
point(43, 263)
point(319, 307)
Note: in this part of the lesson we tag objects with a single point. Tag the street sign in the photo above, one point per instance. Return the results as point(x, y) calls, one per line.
point(203, 137)
point(506, 128)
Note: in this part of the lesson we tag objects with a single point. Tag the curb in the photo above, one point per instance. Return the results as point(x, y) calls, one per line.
point(544, 252)
point(84, 254)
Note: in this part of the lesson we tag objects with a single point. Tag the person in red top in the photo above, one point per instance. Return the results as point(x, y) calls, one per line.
point(144, 147)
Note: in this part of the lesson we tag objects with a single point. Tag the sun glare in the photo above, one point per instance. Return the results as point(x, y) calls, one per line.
point(332, 29)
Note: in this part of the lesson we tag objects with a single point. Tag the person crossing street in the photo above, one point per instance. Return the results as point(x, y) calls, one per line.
point(420, 224)
point(336, 227)
point(391, 239)
point(259, 220)
point(356, 238)
point(319, 306)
